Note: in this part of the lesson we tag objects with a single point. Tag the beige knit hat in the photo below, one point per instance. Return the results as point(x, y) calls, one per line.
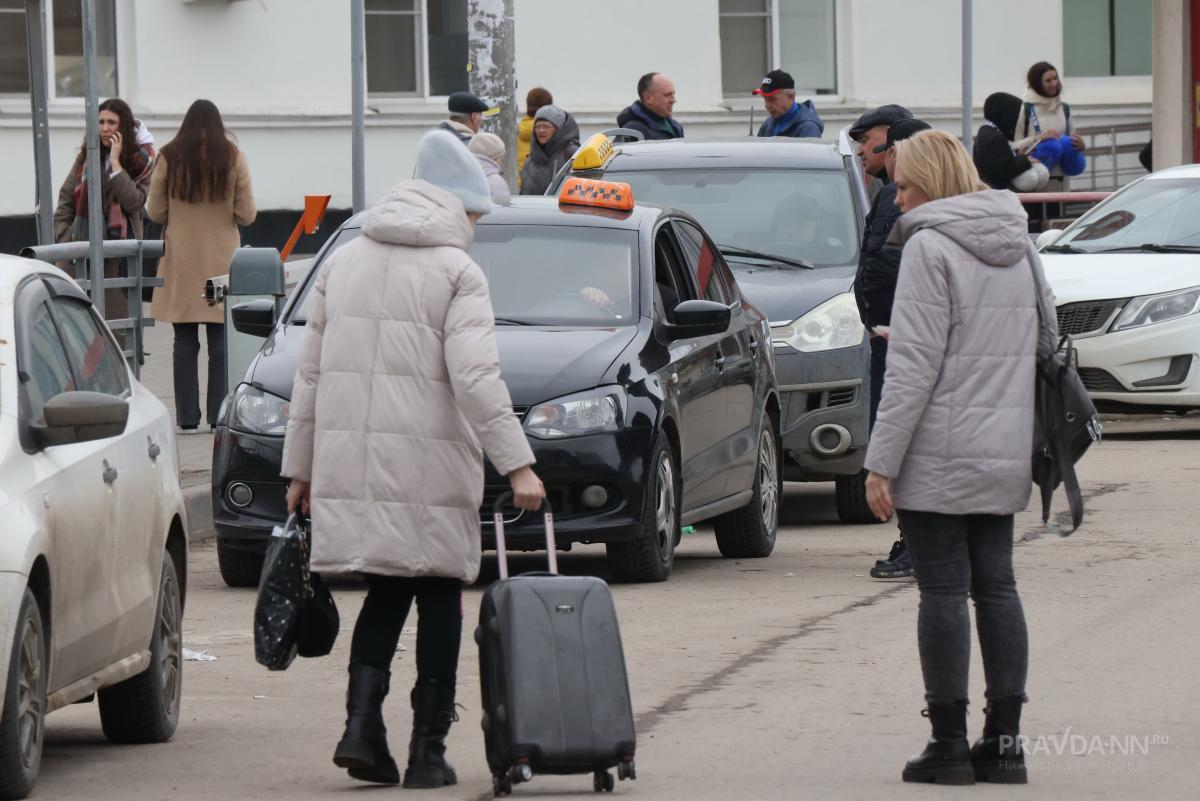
point(489, 145)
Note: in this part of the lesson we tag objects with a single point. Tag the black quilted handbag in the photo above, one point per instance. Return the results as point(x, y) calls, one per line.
point(295, 614)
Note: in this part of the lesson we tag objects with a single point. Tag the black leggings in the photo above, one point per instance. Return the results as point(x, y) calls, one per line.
point(439, 625)
point(954, 555)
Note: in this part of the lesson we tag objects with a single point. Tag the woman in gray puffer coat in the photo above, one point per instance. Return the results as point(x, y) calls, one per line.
point(398, 387)
point(555, 140)
point(951, 449)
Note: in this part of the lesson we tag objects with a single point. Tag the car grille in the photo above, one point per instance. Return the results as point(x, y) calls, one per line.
point(1087, 317)
point(1097, 380)
point(556, 496)
point(840, 397)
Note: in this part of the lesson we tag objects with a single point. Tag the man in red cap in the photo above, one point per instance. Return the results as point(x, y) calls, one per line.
point(787, 117)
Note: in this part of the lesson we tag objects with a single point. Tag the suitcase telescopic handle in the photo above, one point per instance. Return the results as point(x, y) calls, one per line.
point(547, 522)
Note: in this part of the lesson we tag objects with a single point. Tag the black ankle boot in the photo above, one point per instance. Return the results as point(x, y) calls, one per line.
point(997, 756)
point(433, 712)
point(947, 757)
point(363, 749)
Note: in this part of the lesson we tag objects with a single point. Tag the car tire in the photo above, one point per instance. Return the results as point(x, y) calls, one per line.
point(750, 532)
point(651, 556)
point(145, 708)
point(239, 568)
point(852, 507)
point(23, 716)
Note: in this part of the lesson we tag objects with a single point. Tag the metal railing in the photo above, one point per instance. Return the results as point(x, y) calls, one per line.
point(1112, 153)
point(131, 252)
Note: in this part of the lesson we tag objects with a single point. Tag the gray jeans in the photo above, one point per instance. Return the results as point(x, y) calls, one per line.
point(953, 556)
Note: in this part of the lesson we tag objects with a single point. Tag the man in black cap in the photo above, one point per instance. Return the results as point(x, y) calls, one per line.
point(787, 117)
point(466, 116)
point(879, 267)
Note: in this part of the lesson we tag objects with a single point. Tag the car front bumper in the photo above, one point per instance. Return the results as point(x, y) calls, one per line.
point(615, 462)
point(1155, 365)
point(826, 400)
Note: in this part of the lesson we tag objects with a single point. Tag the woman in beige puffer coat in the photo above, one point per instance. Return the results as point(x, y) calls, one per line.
point(398, 388)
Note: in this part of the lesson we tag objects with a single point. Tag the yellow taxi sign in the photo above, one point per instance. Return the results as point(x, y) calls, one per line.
point(594, 154)
point(598, 194)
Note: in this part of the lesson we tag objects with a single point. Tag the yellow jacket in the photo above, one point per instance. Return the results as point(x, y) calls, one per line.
point(524, 141)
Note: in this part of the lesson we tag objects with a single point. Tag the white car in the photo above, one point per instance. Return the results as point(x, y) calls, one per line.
point(1126, 277)
point(93, 551)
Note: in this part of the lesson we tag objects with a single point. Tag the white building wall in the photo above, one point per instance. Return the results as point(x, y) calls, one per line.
point(279, 71)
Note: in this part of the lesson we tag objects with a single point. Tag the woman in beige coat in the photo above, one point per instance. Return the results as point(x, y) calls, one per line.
point(201, 192)
point(398, 388)
point(952, 445)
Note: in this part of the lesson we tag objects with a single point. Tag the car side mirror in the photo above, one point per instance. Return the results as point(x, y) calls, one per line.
point(1047, 238)
point(699, 318)
point(255, 318)
point(73, 417)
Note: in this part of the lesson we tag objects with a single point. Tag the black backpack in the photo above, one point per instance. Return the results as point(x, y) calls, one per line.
point(1065, 420)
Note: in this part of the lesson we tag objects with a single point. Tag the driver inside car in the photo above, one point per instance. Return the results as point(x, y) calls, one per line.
point(801, 228)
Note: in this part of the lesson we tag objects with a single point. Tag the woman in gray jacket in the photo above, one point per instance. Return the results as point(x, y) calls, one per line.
point(397, 393)
point(952, 442)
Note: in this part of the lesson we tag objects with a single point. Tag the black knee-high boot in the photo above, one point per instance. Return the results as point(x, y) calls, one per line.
point(363, 749)
point(947, 756)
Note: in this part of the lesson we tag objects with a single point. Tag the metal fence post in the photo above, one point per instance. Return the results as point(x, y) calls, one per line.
point(91, 106)
point(35, 31)
point(358, 99)
point(967, 74)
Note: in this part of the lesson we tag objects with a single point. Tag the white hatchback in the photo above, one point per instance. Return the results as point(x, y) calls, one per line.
point(93, 553)
point(1126, 277)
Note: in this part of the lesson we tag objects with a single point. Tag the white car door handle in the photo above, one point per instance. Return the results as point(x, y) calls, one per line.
point(110, 473)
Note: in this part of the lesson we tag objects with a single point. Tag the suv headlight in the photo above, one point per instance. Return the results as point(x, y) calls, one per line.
point(834, 324)
point(1151, 309)
point(595, 412)
point(258, 412)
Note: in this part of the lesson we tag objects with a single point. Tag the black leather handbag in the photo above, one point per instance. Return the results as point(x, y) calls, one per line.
point(295, 614)
point(1065, 421)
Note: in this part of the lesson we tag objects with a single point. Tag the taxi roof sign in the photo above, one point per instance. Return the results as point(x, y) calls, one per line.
point(598, 194)
point(594, 154)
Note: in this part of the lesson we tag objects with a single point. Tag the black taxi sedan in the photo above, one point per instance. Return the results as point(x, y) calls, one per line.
point(645, 384)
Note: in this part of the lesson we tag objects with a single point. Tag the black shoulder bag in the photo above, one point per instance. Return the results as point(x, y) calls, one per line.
point(1065, 419)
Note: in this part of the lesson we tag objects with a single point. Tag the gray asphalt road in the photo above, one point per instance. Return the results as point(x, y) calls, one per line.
point(793, 677)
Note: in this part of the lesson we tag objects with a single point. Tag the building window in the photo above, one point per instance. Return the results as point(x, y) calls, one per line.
point(416, 47)
point(799, 36)
point(1103, 38)
point(64, 45)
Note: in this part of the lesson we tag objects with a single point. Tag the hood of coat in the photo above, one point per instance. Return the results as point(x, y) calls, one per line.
point(990, 224)
point(1002, 109)
point(490, 167)
point(419, 214)
point(565, 137)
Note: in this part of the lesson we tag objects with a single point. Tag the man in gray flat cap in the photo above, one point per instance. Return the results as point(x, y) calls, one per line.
point(466, 116)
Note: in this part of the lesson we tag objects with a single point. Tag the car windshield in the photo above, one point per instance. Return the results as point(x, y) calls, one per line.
point(1162, 212)
point(798, 214)
point(557, 274)
point(542, 274)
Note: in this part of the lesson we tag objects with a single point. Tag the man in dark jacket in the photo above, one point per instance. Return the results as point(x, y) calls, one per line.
point(999, 166)
point(466, 116)
point(650, 114)
point(879, 267)
point(787, 117)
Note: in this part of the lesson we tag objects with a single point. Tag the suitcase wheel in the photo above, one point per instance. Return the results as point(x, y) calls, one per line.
point(501, 785)
point(602, 782)
point(627, 770)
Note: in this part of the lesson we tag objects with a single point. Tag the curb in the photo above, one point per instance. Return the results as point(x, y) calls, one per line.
point(197, 503)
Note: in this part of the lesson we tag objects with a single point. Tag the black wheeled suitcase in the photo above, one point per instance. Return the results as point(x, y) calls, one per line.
point(552, 670)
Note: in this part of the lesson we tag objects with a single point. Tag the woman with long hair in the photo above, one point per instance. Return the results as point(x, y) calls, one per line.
point(125, 168)
point(1043, 128)
point(201, 192)
point(951, 445)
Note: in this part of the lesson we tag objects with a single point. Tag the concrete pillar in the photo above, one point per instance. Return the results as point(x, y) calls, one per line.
point(1174, 97)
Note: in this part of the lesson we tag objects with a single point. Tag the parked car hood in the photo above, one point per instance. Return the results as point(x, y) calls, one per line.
point(786, 294)
point(542, 363)
point(1102, 276)
point(538, 363)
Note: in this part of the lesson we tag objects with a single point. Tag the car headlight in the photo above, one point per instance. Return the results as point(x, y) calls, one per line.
point(258, 412)
point(592, 412)
point(834, 324)
point(1151, 309)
